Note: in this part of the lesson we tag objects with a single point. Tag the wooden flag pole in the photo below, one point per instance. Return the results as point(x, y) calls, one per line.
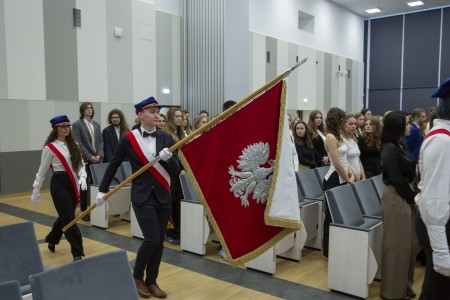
point(185, 140)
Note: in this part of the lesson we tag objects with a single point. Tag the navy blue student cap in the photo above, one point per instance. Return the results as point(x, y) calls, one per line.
point(58, 120)
point(149, 102)
point(443, 91)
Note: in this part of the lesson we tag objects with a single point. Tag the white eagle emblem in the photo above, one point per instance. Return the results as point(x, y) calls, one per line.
point(252, 178)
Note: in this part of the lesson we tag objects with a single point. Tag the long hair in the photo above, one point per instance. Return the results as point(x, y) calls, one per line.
point(83, 107)
point(123, 123)
point(312, 124)
point(174, 130)
point(74, 150)
point(186, 128)
point(373, 139)
point(394, 128)
point(197, 121)
point(306, 139)
point(335, 120)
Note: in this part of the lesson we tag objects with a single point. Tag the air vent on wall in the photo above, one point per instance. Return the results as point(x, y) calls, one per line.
point(268, 57)
point(305, 22)
point(76, 14)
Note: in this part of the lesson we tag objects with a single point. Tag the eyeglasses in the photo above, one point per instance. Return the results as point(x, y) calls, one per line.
point(64, 126)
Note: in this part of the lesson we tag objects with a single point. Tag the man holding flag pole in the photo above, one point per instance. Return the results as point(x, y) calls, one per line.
point(249, 191)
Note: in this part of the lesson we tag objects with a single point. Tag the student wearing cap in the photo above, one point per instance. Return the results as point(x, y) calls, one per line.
point(150, 192)
point(433, 226)
point(62, 154)
point(88, 135)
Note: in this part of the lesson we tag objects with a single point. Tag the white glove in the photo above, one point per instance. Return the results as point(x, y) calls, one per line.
point(35, 196)
point(441, 254)
point(99, 201)
point(165, 154)
point(83, 184)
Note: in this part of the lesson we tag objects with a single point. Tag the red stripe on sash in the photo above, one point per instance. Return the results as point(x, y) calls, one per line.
point(134, 143)
point(67, 168)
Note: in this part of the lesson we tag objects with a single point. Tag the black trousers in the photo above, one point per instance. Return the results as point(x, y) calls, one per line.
point(332, 182)
point(84, 195)
point(152, 218)
point(435, 286)
point(65, 202)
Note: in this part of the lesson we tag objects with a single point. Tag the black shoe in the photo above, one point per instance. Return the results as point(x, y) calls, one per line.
point(86, 218)
point(51, 247)
point(75, 258)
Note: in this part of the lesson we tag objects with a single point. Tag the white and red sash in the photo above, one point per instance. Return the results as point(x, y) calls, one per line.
point(145, 156)
point(67, 166)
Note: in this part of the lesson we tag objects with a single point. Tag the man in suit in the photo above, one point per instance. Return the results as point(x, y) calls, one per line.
point(88, 135)
point(150, 192)
point(113, 133)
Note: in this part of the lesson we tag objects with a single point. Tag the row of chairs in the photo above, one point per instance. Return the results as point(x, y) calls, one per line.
point(355, 236)
point(23, 276)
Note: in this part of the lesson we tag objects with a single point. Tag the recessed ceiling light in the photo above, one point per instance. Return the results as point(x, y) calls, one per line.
point(415, 3)
point(373, 10)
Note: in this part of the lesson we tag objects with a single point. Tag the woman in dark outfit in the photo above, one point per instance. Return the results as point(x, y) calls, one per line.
point(304, 146)
point(62, 154)
point(399, 210)
point(316, 128)
point(369, 144)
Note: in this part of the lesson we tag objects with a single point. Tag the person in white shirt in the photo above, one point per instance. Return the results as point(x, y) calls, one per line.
point(62, 154)
point(433, 226)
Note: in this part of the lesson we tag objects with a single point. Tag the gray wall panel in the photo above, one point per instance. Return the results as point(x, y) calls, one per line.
point(328, 75)
point(164, 56)
point(421, 49)
point(3, 65)
point(271, 67)
point(384, 100)
point(60, 40)
point(120, 51)
point(348, 84)
point(417, 98)
point(18, 171)
point(385, 53)
point(445, 57)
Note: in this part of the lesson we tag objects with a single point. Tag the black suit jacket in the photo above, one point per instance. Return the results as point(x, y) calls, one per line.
point(110, 142)
point(144, 184)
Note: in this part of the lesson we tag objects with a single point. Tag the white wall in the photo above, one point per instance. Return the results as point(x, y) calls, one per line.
point(24, 40)
point(92, 50)
point(336, 31)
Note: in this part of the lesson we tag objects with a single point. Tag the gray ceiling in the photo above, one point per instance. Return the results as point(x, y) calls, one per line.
point(388, 7)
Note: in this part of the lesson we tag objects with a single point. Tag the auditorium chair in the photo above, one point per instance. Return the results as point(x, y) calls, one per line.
point(311, 190)
point(354, 245)
point(10, 290)
point(367, 198)
point(105, 276)
point(320, 173)
point(117, 204)
point(378, 184)
point(195, 228)
point(19, 255)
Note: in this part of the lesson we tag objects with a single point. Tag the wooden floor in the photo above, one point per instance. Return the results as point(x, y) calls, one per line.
point(179, 282)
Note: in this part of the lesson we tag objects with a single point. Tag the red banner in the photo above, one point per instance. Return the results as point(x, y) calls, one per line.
point(229, 166)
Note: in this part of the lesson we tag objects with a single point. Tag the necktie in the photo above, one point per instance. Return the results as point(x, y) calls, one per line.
point(152, 134)
point(91, 131)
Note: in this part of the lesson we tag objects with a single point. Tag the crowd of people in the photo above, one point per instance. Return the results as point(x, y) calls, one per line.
point(354, 146)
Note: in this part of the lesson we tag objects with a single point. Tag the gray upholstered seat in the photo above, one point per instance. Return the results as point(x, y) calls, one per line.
point(188, 189)
point(10, 290)
point(320, 173)
point(355, 241)
point(309, 185)
point(378, 184)
point(98, 171)
point(367, 198)
point(19, 254)
point(105, 276)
